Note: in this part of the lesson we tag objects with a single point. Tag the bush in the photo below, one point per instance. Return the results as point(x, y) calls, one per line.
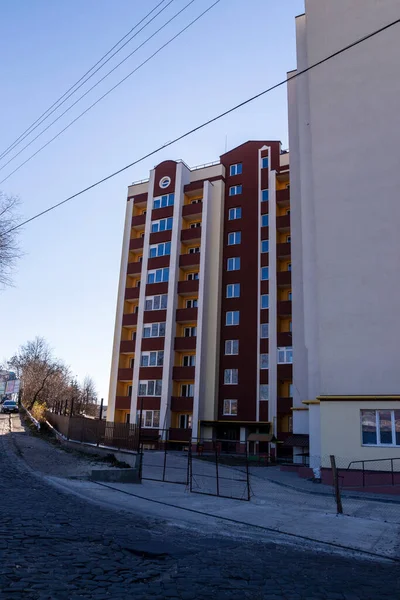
point(39, 412)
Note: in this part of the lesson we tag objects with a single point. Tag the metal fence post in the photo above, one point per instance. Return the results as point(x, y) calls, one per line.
point(190, 469)
point(247, 475)
point(336, 485)
point(165, 460)
point(216, 467)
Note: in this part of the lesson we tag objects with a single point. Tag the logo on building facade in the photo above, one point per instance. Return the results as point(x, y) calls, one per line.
point(164, 182)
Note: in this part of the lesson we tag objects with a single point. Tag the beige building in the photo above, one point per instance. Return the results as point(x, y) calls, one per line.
point(345, 181)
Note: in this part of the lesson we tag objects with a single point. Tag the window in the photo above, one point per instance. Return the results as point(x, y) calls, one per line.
point(154, 330)
point(264, 333)
point(234, 190)
point(235, 213)
point(142, 235)
point(195, 225)
point(264, 220)
point(189, 361)
point(197, 201)
point(265, 301)
point(194, 250)
point(150, 418)
point(264, 362)
point(264, 195)
point(233, 290)
point(190, 332)
point(187, 390)
point(134, 335)
point(285, 355)
point(156, 302)
point(163, 249)
point(235, 169)
point(290, 326)
point(162, 201)
point(231, 347)
point(288, 211)
point(192, 276)
point(230, 407)
point(290, 390)
point(289, 267)
point(158, 275)
point(289, 296)
point(233, 264)
point(150, 388)
point(380, 427)
point(161, 225)
point(140, 258)
point(192, 303)
point(264, 162)
point(264, 273)
point(152, 359)
point(288, 239)
point(264, 246)
point(185, 421)
point(130, 390)
point(138, 283)
point(232, 317)
point(231, 376)
point(235, 237)
point(132, 363)
point(264, 391)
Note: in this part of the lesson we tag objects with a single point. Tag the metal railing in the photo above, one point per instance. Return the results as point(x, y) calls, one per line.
point(374, 472)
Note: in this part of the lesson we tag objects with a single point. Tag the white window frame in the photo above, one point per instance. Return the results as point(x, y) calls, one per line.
point(155, 358)
point(152, 415)
point(162, 273)
point(264, 270)
point(264, 391)
point(231, 346)
point(264, 327)
point(162, 298)
point(231, 288)
point(192, 329)
point(189, 390)
point(233, 263)
point(263, 194)
point(156, 384)
point(284, 355)
point(193, 276)
point(265, 217)
point(160, 249)
point(235, 169)
point(230, 408)
point(163, 201)
point(156, 226)
point(154, 328)
point(231, 376)
point(194, 250)
point(230, 316)
point(392, 412)
point(264, 361)
point(264, 299)
point(233, 212)
point(265, 162)
point(235, 190)
point(187, 418)
point(264, 244)
point(236, 237)
point(191, 360)
point(194, 303)
point(195, 225)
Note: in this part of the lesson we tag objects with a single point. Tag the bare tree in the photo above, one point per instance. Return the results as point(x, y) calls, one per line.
point(9, 247)
point(89, 397)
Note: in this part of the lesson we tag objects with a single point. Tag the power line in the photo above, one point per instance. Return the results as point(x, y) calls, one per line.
point(206, 123)
point(111, 89)
point(36, 123)
point(99, 81)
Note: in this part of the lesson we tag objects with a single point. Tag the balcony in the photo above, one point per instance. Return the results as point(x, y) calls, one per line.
point(191, 235)
point(139, 221)
point(283, 197)
point(180, 435)
point(162, 213)
point(156, 343)
point(189, 260)
point(284, 278)
point(155, 316)
point(182, 404)
point(122, 403)
point(129, 320)
point(125, 374)
point(188, 288)
point(285, 406)
point(183, 373)
point(283, 250)
point(284, 308)
point(283, 223)
point(186, 315)
point(154, 289)
point(284, 338)
point(132, 293)
point(192, 210)
point(185, 343)
point(134, 268)
point(127, 346)
point(285, 372)
point(158, 262)
point(160, 236)
point(150, 372)
point(136, 243)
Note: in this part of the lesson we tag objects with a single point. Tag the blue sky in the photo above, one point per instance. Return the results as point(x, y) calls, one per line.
point(66, 284)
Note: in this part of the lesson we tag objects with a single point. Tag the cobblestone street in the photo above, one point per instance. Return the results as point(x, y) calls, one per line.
point(56, 546)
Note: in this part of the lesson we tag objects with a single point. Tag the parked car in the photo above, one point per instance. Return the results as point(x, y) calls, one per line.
point(9, 407)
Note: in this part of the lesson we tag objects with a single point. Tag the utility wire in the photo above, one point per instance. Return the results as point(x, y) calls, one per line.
point(100, 80)
point(184, 135)
point(36, 123)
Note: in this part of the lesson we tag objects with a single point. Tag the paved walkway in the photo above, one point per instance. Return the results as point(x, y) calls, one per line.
point(57, 546)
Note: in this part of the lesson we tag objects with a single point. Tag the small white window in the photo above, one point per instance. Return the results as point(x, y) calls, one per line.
point(231, 376)
point(264, 162)
point(233, 263)
point(195, 225)
point(265, 301)
point(235, 169)
point(150, 388)
point(189, 361)
point(185, 421)
point(150, 418)
point(187, 390)
point(233, 290)
point(192, 276)
point(264, 220)
point(194, 250)
point(264, 362)
point(264, 333)
point(264, 391)
point(232, 317)
point(190, 332)
point(231, 347)
point(285, 355)
point(264, 246)
point(235, 213)
point(230, 408)
point(234, 190)
point(235, 237)
point(192, 303)
point(264, 273)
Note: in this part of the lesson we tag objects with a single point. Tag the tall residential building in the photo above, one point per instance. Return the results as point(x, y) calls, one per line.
point(203, 341)
point(344, 142)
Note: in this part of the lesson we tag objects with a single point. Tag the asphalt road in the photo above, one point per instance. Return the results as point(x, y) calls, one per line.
point(56, 546)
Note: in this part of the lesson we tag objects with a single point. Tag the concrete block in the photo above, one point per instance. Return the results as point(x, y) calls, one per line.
point(115, 475)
